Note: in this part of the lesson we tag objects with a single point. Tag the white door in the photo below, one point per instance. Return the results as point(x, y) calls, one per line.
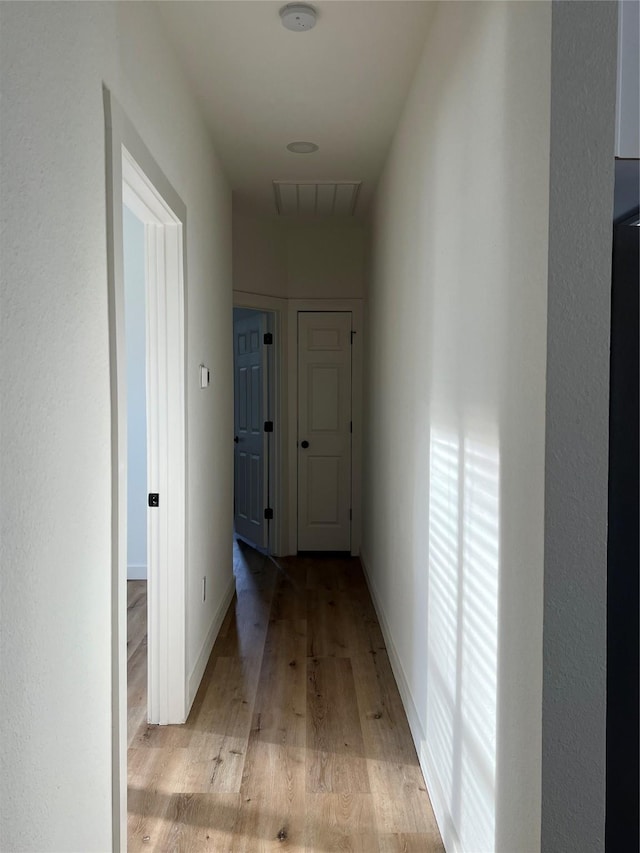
point(324, 431)
point(250, 456)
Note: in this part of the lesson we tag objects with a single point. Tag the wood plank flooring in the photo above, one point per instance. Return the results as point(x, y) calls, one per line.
point(136, 656)
point(297, 739)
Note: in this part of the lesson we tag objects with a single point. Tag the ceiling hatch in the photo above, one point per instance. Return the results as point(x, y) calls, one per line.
point(319, 198)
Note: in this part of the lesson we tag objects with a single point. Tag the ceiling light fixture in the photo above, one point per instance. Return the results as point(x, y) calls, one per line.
point(302, 147)
point(298, 17)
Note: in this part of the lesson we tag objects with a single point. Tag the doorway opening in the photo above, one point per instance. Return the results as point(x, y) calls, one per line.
point(256, 428)
point(135, 315)
point(164, 392)
point(324, 453)
point(140, 197)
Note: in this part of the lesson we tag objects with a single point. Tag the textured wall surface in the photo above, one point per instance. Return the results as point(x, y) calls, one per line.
point(455, 391)
point(55, 465)
point(628, 80)
point(575, 580)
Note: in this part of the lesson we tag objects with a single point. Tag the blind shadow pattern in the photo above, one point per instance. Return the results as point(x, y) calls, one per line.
point(464, 563)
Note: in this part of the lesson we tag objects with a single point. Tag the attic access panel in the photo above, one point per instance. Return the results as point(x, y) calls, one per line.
point(316, 198)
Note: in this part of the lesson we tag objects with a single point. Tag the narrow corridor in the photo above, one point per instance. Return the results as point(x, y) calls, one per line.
point(297, 739)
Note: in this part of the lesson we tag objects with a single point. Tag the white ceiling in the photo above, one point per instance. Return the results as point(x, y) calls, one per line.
point(341, 85)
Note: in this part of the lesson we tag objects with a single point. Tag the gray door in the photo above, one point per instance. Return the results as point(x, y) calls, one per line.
point(250, 406)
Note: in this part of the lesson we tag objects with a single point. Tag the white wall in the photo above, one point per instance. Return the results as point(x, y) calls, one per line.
point(55, 463)
point(455, 405)
point(259, 255)
point(135, 322)
point(325, 259)
point(298, 259)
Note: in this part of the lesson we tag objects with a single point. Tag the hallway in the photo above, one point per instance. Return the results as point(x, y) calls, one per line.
point(297, 739)
point(444, 171)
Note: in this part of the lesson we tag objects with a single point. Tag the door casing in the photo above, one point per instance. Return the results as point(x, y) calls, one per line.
point(355, 306)
point(325, 342)
point(130, 164)
point(166, 441)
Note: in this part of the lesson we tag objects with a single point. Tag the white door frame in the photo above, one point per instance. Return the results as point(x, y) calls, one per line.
point(134, 176)
point(164, 292)
point(355, 306)
point(276, 308)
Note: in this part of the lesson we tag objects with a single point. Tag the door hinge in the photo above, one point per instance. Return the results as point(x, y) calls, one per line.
point(350, 426)
point(350, 515)
point(268, 513)
point(352, 334)
point(154, 499)
point(268, 338)
point(268, 426)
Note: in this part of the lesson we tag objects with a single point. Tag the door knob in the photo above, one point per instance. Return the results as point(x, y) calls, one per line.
point(235, 439)
point(304, 444)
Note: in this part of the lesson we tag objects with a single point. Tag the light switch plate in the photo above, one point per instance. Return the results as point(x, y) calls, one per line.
point(204, 376)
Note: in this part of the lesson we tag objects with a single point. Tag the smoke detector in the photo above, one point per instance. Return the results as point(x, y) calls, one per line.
point(298, 17)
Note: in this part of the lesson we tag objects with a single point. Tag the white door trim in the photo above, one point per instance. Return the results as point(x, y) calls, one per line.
point(355, 306)
point(132, 172)
point(166, 655)
point(275, 308)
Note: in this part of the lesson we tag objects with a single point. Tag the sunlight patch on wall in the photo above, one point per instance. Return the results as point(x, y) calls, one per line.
point(463, 618)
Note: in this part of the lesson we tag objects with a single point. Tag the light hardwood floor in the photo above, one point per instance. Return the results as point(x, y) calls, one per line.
point(297, 739)
point(136, 656)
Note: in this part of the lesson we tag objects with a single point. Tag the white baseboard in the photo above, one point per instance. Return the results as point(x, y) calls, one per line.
point(448, 833)
point(137, 572)
point(443, 818)
point(411, 711)
point(198, 670)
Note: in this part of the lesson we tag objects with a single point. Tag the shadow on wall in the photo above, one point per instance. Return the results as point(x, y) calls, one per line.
point(464, 563)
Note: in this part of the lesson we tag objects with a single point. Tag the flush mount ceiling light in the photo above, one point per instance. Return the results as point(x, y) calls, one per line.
point(298, 17)
point(302, 147)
